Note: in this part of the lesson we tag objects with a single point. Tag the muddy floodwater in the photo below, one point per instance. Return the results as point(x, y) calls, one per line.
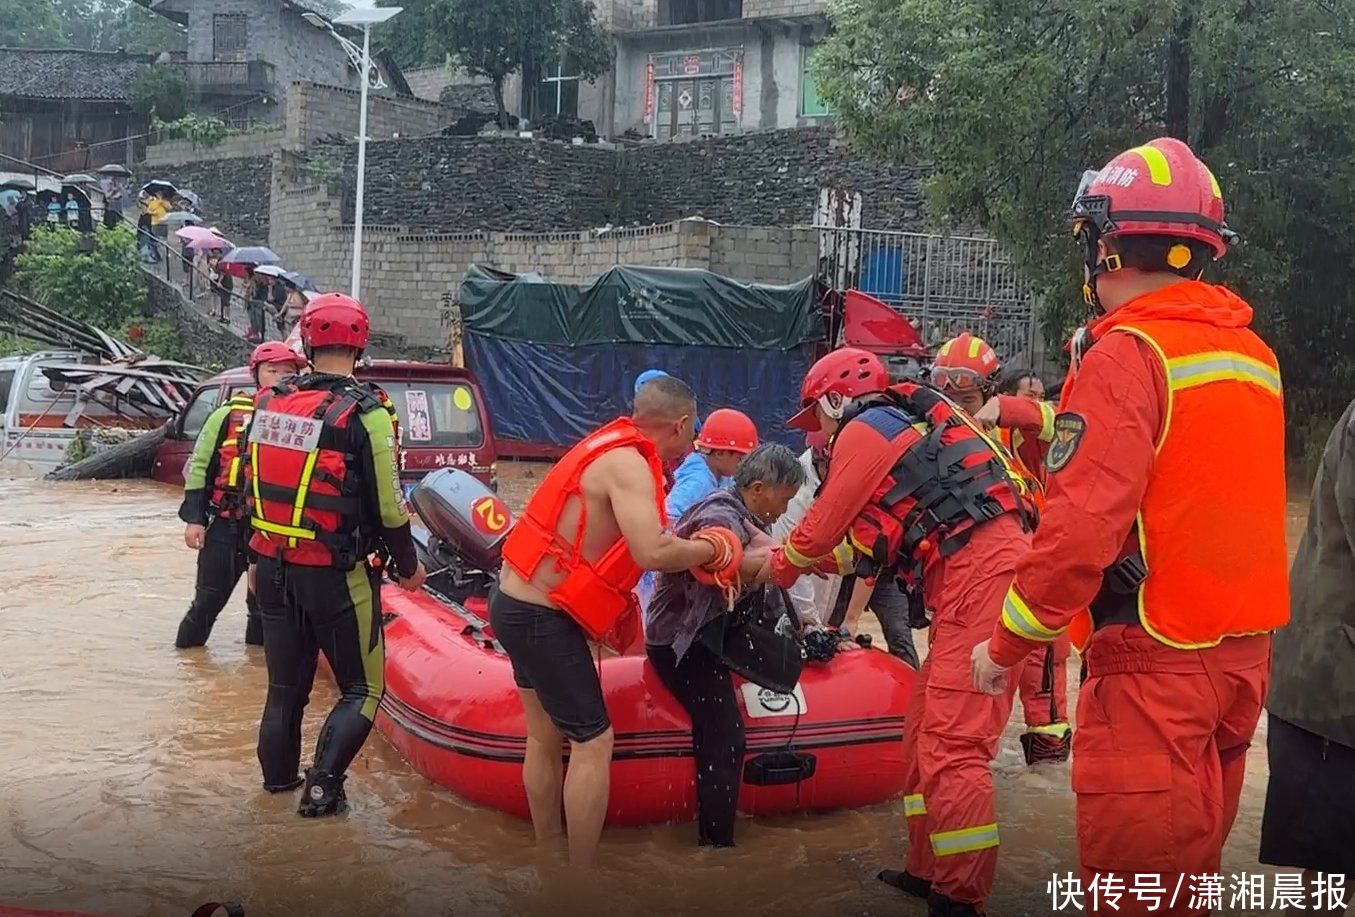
point(129, 785)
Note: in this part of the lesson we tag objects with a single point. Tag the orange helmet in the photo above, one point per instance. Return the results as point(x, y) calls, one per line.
point(728, 430)
point(965, 363)
point(276, 352)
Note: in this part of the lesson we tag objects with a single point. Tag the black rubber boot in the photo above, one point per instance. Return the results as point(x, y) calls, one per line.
point(938, 905)
point(254, 630)
point(322, 796)
point(1041, 748)
point(906, 882)
point(192, 633)
point(284, 787)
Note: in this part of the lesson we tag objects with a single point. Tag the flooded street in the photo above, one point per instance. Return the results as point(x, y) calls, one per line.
point(130, 784)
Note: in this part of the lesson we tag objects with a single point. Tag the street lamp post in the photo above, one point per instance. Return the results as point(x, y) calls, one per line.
point(364, 18)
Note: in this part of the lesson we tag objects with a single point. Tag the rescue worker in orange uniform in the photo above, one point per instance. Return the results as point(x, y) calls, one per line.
point(214, 502)
point(1162, 549)
point(918, 491)
point(571, 564)
point(325, 499)
point(1024, 423)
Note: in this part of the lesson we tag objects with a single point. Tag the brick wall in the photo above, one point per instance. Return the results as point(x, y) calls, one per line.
point(260, 143)
point(234, 192)
point(758, 9)
point(296, 49)
point(316, 111)
point(765, 254)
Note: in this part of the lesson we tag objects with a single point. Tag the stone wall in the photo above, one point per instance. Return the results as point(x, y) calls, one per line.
point(234, 192)
point(761, 9)
point(276, 33)
point(764, 179)
point(764, 254)
point(316, 111)
point(455, 184)
point(260, 143)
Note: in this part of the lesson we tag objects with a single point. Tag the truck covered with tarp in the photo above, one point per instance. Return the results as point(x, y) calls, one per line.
point(557, 360)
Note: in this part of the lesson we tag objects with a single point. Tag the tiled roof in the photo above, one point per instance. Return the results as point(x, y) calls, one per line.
point(67, 74)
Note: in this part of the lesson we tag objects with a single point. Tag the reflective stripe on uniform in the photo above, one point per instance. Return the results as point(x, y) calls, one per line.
point(914, 805)
point(800, 560)
point(274, 528)
point(964, 840)
point(299, 504)
point(1057, 730)
point(1020, 620)
point(1047, 415)
point(1159, 170)
point(1221, 366)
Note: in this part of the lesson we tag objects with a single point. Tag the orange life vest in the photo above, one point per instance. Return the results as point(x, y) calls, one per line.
point(951, 480)
point(304, 483)
point(598, 595)
point(1211, 559)
point(228, 487)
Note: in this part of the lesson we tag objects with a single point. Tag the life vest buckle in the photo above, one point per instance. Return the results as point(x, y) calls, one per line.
point(1127, 575)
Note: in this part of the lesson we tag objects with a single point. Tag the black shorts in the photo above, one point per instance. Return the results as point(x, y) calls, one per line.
point(550, 656)
point(1309, 820)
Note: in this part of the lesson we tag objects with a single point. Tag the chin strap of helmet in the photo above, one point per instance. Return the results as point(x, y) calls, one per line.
point(1095, 264)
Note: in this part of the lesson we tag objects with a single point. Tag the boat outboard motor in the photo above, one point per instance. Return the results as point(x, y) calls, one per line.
point(467, 524)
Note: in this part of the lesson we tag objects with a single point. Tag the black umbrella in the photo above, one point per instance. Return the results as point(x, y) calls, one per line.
point(158, 187)
point(300, 281)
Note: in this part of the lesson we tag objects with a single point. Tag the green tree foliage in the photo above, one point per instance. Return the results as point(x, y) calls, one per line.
point(1010, 100)
point(497, 38)
point(161, 93)
point(30, 24)
point(104, 287)
point(95, 25)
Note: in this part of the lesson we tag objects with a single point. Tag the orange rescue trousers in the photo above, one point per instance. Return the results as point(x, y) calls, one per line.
point(952, 730)
point(1159, 755)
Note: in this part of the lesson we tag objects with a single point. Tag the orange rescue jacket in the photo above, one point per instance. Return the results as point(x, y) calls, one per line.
point(1210, 527)
point(598, 594)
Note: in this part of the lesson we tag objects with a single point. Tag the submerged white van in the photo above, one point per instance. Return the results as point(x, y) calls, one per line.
point(40, 417)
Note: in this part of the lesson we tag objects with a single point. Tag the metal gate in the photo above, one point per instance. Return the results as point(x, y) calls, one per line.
point(942, 284)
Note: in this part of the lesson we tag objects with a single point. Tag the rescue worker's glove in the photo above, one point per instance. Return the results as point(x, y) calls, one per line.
point(722, 570)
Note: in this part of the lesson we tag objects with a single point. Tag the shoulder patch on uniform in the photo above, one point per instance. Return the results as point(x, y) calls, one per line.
point(1068, 430)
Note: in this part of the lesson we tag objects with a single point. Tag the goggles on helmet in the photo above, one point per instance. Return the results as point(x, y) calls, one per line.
point(957, 379)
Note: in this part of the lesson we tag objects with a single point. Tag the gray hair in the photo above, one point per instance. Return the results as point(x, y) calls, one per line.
point(772, 464)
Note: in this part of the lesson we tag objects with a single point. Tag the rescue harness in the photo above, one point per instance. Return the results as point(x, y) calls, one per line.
point(306, 483)
point(942, 487)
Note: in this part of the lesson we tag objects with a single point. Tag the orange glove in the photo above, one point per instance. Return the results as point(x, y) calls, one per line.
point(722, 570)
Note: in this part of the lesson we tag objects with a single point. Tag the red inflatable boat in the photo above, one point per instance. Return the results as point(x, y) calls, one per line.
point(452, 709)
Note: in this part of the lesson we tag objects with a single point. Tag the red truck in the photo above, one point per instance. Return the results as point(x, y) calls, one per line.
point(443, 421)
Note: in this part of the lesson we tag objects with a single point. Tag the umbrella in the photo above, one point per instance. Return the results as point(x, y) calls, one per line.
point(80, 178)
point(114, 169)
point(160, 188)
point(240, 261)
point(311, 294)
point(191, 198)
point(204, 239)
point(270, 270)
point(19, 184)
point(182, 216)
point(300, 281)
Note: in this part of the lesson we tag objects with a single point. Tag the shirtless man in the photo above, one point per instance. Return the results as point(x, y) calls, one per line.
point(570, 565)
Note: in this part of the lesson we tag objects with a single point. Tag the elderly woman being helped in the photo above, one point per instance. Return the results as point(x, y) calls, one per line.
point(764, 482)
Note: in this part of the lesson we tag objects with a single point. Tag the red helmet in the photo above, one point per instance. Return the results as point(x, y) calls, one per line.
point(965, 363)
point(834, 381)
point(728, 430)
point(335, 320)
point(275, 352)
point(1158, 189)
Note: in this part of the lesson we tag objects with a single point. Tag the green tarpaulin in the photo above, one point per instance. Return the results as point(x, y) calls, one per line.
point(677, 306)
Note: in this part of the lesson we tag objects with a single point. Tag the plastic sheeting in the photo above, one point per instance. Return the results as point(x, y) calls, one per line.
point(551, 394)
point(642, 305)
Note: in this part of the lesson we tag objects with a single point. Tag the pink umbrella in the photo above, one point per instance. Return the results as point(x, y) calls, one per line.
point(203, 238)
